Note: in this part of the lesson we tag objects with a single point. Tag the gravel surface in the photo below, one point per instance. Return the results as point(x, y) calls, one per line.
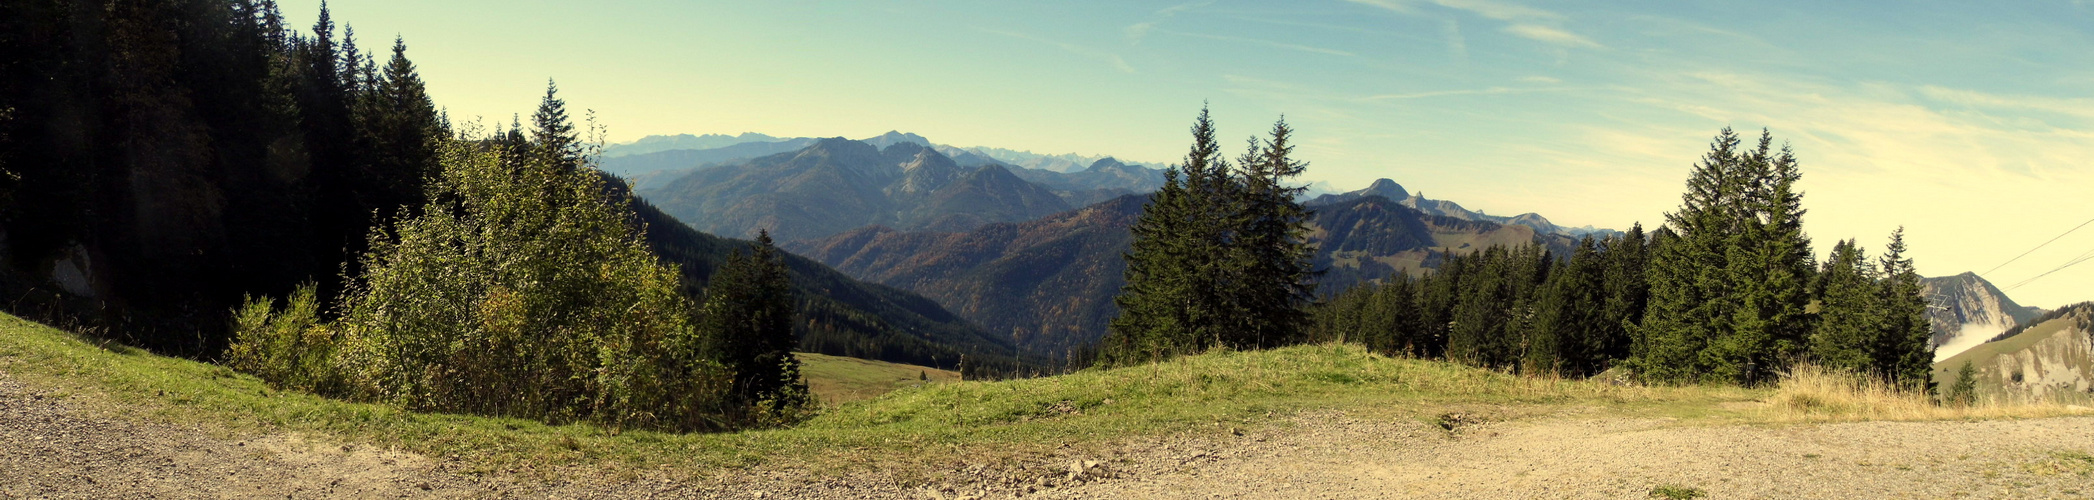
point(63, 447)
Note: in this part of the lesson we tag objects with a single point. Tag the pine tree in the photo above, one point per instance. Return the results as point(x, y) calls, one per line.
point(747, 318)
point(1628, 293)
point(1848, 318)
point(1170, 304)
point(1687, 274)
point(1964, 391)
point(551, 130)
point(1569, 335)
point(1270, 245)
point(1904, 347)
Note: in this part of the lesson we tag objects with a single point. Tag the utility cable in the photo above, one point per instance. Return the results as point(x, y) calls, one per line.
point(2074, 262)
point(2038, 247)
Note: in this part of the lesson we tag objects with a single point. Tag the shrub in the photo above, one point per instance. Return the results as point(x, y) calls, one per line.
point(522, 289)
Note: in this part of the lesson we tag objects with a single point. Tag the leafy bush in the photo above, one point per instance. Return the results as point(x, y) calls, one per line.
point(522, 289)
point(290, 348)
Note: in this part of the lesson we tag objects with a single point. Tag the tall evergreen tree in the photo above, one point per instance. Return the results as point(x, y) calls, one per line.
point(1848, 318)
point(552, 131)
point(1904, 347)
point(1628, 293)
point(747, 318)
point(1167, 305)
point(1270, 248)
point(1687, 275)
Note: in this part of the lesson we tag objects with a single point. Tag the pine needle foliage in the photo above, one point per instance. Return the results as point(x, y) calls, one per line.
point(1220, 257)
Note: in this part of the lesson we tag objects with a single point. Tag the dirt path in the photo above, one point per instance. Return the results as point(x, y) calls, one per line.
point(1331, 456)
point(54, 447)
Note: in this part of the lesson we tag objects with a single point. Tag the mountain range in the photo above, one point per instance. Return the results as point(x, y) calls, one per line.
point(1049, 283)
point(656, 143)
point(836, 185)
point(838, 315)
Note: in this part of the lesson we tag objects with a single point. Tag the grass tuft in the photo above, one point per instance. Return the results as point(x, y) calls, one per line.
point(1676, 492)
point(1808, 393)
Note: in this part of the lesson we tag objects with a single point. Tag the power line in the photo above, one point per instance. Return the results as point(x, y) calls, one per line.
point(2038, 247)
point(2075, 261)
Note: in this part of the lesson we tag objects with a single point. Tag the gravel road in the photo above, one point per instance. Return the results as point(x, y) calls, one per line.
point(60, 447)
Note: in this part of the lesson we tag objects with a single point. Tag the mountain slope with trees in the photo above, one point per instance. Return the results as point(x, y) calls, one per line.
point(1048, 283)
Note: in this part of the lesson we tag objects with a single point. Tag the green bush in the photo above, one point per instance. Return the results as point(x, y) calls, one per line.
point(289, 348)
point(522, 289)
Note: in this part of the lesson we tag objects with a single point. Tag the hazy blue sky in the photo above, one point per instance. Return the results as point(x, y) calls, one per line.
point(1970, 123)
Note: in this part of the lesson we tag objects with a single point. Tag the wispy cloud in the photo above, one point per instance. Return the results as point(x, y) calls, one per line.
point(1137, 31)
point(1110, 58)
point(1462, 92)
point(1522, 21)
point(1255, 41)
point(1550, 35)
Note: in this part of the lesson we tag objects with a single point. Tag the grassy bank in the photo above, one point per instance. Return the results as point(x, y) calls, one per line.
point(932, 424)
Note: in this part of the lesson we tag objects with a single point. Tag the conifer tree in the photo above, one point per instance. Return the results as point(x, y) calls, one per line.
point(1167, 305)
point(1270, 245)
point(747, 318)
point(1848, 321)
point(1628, 293)
point(1904, 347)
point(1687, 275)
point(552, 131)
point(1568, 330)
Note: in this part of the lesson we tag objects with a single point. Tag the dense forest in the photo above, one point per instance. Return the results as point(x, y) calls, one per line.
point(1727, 291)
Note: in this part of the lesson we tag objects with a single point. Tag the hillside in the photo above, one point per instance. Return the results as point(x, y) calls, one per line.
point(1049, 283)
point(1280, 422)
point(837, 185)
point(2051, 356)
point(1965, 310)
point(840, 315)
point(836, 380)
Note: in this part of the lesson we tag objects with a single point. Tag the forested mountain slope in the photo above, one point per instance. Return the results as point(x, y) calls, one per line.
point(839, 315)
point(1049, 283)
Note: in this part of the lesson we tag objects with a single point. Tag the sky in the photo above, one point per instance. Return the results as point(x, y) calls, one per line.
point(1970, 124)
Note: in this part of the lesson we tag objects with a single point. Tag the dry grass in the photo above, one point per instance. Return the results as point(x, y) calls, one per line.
point(1810, 393)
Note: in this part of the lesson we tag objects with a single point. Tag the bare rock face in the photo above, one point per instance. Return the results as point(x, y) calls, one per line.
point(1966, 310)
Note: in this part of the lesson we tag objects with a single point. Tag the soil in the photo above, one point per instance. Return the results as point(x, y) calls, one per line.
point(64, 447)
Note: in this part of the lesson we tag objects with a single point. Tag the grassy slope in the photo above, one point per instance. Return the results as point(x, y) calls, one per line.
point(909, 429)
point(837, 380)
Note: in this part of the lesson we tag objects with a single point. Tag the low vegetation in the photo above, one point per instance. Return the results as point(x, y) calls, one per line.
point(920, 427)
point(1809, 393)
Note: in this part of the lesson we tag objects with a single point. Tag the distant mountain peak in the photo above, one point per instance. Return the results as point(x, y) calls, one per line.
point(1106, 163)
point(893, 137)
point(1387, 189)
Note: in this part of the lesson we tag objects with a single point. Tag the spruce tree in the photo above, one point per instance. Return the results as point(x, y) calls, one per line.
point(1848, 318)
point(552, 131)
point(1904, 345)
point(1167, 304)
point(747, 319)
point(1687, 275)
point(1569, 332)
point(1628, 293)
point(1270, 244)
